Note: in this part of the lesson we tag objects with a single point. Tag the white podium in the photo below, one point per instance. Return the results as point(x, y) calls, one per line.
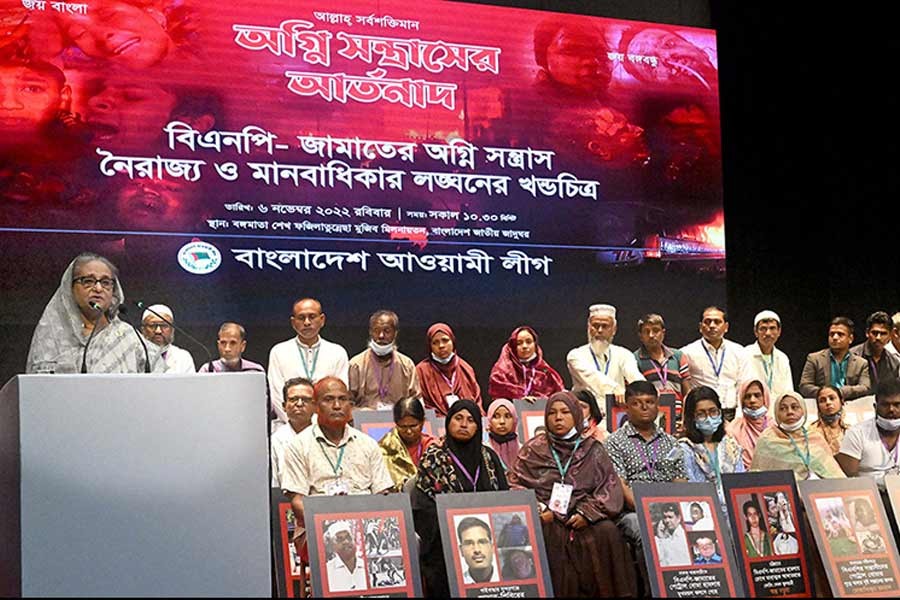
point(134, 485)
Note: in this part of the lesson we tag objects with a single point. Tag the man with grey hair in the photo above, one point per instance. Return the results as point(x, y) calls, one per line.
point(600, 366)
point(765, 362)
point(380, 376)
point(156, 323)
point(231, 343)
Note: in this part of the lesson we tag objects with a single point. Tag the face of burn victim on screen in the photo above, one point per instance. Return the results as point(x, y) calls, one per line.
point(679, 62)
point(129, 114)
point(29, 100)
point(119, 32)
point(577, 59)
point(156, 204)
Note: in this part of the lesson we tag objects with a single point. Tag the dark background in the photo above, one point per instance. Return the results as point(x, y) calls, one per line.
point(809, 146)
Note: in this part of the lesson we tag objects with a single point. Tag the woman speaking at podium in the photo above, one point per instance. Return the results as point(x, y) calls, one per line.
point(80, 330)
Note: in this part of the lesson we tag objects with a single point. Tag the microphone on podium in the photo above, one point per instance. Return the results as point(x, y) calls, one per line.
point(143, 306)
point(99, 310)
point(123, 311)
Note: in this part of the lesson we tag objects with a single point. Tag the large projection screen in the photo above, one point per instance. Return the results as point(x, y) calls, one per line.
point(478, 165)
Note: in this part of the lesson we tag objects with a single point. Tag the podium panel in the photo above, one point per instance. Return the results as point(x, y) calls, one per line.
point(135, 485)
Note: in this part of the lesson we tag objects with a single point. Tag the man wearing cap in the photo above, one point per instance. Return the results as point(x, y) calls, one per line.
point(160, 332)
point(345, 571)
point(305, 355)
point(600, 366)
point(765, 362)
point(717, 362)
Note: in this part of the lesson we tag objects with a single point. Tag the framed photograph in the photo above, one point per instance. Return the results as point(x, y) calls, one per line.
point(493, 545)
point(687, 543)
point(853, 536)
point(290, 578)
point(616, 414)
point(771, 544)
point(362, 546)
point(377, 423)
point(531, 418)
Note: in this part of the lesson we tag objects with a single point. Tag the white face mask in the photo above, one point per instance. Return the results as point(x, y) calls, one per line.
point(443, 361)
point(887, 424)
point(381, 349)
point(791, 428)
point(528, 359)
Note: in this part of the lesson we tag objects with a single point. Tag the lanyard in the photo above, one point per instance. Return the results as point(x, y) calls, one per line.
point(334, 467)
point(597, 363)
point(530, 381)
point(713, 458)
point(639, 446)
point(564, 470)
point(662, 371)
point(472, 480)
point(807, 459)
point(309, 372)
point(712, 363)
point(874, 367)
point(769, 368)
point(383, 388)
point(450, 382)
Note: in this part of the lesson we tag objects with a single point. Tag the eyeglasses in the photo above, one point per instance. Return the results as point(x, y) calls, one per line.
point(300, 400)
point(160, 326)
point(702, 414)
point(89, 282)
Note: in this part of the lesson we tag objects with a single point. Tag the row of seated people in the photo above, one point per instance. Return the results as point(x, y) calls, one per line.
point(596, 530)
point(87, 303)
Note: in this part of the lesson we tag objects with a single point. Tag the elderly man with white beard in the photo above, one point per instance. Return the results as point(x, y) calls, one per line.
point(600, 366)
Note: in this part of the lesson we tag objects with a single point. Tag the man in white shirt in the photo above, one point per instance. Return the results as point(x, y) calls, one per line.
point(299, 405)
point(871, 447)
point(716, 362)
point(600, 366)
point(306, 355)
point(671, 539)
point(345, 571)
point(156, 323)
point(476, 544)
point(765, 362)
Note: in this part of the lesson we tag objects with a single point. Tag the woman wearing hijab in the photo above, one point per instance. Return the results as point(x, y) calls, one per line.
point(84, 310)
point(445, 377)
point(457, 463)
point(788, 444)
point(830, 406)
point(753, 418)
point(579, 495)
point(403, 446)
point(521, 371)
point(708, 451)
point(502, 422)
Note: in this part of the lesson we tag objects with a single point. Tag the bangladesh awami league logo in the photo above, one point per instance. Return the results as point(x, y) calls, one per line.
point(199, 258)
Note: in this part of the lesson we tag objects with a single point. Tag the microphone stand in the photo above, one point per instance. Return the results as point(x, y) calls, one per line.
point(142, 306)
point(99, 310)
point(123, 310)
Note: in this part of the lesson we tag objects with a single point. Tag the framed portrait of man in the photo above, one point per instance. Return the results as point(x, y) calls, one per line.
point(770, 543)
point(493, 545)
point(687, 543)
point(362, 546)
point(853, 536)
point(531, 418)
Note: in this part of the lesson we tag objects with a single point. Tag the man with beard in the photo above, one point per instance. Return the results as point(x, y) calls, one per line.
point(231, 342)
point(717, 362)
point(330, 458)
point(159, 330)
point(345, 571)
point(600, 366)
point(380, 376)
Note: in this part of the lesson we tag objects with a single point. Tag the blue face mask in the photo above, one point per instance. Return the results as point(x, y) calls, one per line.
point(709, 425)
point(755, 413)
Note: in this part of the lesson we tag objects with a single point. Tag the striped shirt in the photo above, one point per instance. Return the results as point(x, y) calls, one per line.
point(671, 376)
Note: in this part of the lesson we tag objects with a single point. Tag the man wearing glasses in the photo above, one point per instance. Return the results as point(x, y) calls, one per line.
point(299, 406)
point(160, 332)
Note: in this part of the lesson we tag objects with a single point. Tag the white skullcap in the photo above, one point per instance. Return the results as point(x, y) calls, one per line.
point(161, 309)
point(337, 527)
point(766, 315)
point(602, 310)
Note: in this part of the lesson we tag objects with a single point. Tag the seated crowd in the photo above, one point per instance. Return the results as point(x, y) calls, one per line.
point(736, 410)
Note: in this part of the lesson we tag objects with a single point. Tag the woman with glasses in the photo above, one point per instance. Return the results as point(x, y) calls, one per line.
point(85, 309)
point(708, 451)
point(402, 447)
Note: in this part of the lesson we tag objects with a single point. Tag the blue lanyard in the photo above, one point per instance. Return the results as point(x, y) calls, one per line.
point(597, 363)
point(806, 460)
point(309, 373)
point(712, 362)
point(334, 467)
point(713, 458)
point(564, 470)
point(769, 368)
